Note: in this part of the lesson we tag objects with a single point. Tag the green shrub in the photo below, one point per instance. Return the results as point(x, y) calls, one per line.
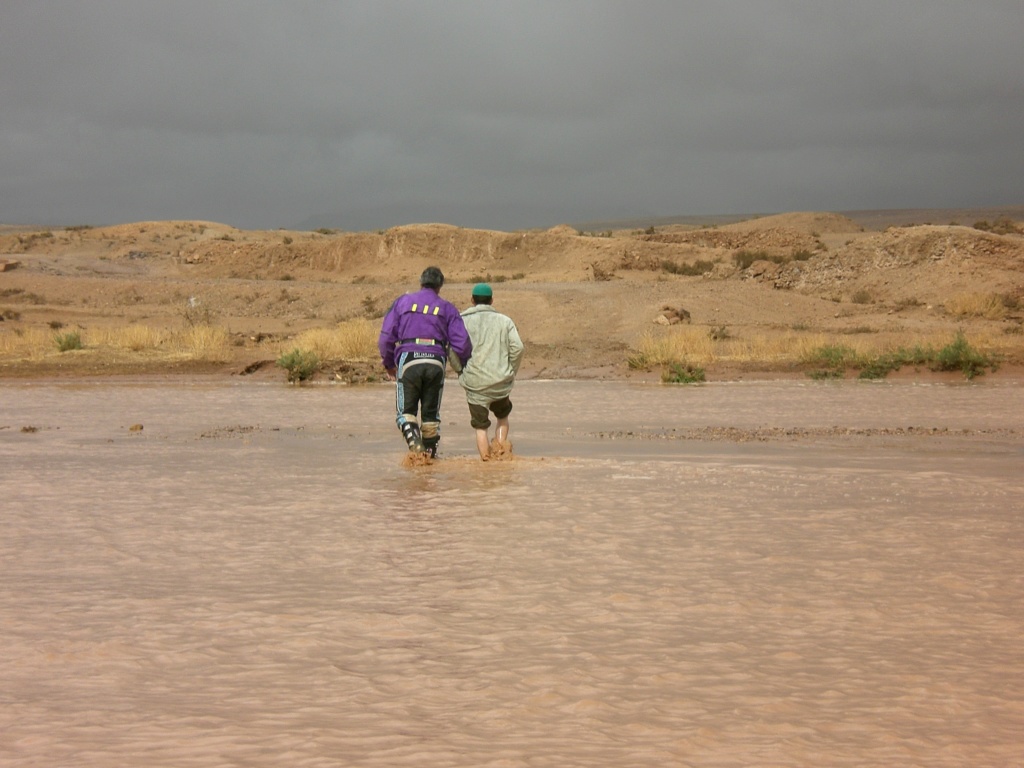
point(696, 269)
point(1002, 226)
point(834, 360)
point(822, 374)
point(744, 259)
point(299, 364)
point(834, 356)
point(68, 341)
point(961, 356)
point(682, 373)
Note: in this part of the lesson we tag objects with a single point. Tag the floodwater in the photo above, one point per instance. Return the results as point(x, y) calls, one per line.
point(763, 573)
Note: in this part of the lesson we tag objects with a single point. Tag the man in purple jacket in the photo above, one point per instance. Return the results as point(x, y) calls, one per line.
point(418, 332)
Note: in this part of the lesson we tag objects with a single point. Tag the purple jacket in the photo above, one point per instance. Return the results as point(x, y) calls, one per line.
point(423, 322)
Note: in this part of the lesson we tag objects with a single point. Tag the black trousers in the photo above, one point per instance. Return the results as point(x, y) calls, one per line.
point(418, 390)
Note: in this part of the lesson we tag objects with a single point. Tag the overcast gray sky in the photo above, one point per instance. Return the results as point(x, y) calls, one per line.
point(504, 115)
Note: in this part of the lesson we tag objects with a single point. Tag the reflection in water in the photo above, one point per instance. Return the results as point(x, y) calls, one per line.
point(253, 579)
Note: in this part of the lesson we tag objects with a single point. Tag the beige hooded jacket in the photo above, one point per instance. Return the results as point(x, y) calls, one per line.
point(497, 353)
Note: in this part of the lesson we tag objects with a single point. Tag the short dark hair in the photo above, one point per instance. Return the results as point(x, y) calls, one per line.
point(482, 300)
point(432, 277)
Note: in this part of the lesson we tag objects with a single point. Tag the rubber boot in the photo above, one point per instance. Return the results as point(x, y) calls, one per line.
point(411, 433)
point(430, 445)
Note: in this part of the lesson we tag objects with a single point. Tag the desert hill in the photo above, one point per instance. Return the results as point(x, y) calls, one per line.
point(582, 300)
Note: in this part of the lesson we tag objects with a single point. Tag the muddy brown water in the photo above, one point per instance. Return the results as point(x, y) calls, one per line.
point(762, 573)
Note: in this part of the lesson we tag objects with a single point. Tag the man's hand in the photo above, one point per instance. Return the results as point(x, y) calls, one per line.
point(391, 372)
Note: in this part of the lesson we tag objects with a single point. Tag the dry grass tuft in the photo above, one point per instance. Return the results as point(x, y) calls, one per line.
point(350, 340)
point(986, 305)
point(691, 343)
point(31, 344)
point(696, 345)
point(199, 342)
point(133, 337)
point(203, 342)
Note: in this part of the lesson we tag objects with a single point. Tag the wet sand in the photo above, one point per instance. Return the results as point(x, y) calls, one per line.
point(760, 573)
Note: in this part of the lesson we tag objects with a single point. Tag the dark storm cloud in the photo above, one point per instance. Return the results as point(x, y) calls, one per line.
point(505, 115)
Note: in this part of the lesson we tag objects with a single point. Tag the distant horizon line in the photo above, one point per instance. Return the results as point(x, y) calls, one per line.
point(876, 216)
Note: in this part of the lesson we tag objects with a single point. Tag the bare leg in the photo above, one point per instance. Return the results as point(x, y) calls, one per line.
point(482, 444)
point(501, 433)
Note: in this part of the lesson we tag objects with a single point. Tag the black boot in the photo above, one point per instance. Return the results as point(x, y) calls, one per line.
point(411, 433)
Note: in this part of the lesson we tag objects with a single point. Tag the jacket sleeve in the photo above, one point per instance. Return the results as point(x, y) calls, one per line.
point(458, 337)
point(388, 337)
point(515, 347)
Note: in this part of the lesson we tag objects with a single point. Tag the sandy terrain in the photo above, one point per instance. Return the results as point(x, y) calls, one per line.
point(581, 300)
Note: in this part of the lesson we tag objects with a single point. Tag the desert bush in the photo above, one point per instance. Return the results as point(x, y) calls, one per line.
point(300, 364)
point(881, 365)
point(801, 255)
point(959, 355)
point(833, 357)
point(68, 341)
point(1002, 226)
point(743, 259)
point(906, 303)
point(695, 269)
point(832, 360)
point(370, 308)
point(821, 374)
point(196, 313)
point(19, 294)
point(489, 278)
point(683, 373)
point(863, 296)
